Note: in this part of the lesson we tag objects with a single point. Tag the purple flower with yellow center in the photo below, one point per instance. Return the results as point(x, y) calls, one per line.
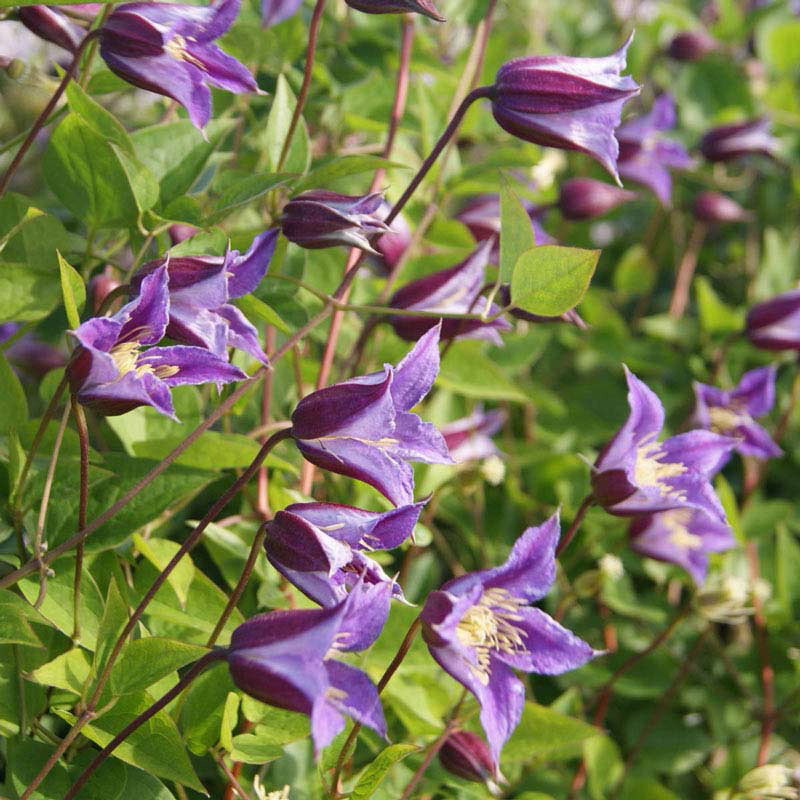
point(646, 155)
point(682, 536)
point(286, 659)
point(200, 288)
point(637, 474)
point(319, 218)
point(732, 412)
point(424, 7)
point(469, 438)
point(321, 547)
point(361, 428)
point(480, 628)
point(775, 323)
point(169, 49)
point(564, 102)
point(729, 142)
point(116, 369)
point(456, 290)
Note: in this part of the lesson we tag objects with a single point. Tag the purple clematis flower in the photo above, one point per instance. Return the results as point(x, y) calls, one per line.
point(361, 428)
point(637, 474)
point(320, 547)
point(682, 536)
point(168, 49)
point(29, 355)
point(469, 439)
point(200, 288)
point(692, 45)
point(111, 372)
point(586, 198)
point(275, 11)
point(713, 208)
point(319, 219)
point(480, 628)
point(775, 323)
point(424, 7)
point(564, 102)
point(645, 156)
point(730, 142)
point(456, 290)
point(732, 412)
point(284, 658)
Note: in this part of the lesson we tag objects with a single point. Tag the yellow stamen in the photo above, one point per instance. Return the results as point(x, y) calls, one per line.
point(725, 420)
point(176, 47)
point(676, 522)
point(650, 471)
point(127, 358)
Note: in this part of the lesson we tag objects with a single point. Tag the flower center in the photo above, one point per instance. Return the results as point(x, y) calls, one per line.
point(724, 420)
point(127, 358)
point(176, 47)
point(676, 522)
point(651, 472)
point(488, 626)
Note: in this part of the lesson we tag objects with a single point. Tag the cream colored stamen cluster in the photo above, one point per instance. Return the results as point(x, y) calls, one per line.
point(488, 626)
point(127, 358)
point(676, 522)
point(725, 420)
point(650, 471)
point(176, 47)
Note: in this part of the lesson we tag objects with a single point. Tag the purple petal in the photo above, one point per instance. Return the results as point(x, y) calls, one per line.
point(756, 442)
point(415, 374)
point(221, 69)
point(419, 441)
point(194, 364)
point(757, 390)
point(100, 333)
point(367, 610)
point(360, 701)
point(241, 333)
point(247, 270)
point(275, 11)
point(145, 318)
point(699, 451)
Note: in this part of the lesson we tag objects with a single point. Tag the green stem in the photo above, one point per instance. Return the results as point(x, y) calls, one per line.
point(83, 499)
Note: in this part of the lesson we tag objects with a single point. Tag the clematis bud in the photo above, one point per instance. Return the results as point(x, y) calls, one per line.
point(715, 207)
point(691, 46)
point(319, 219)
point(424, 7)
point(169, 49)
point(180, 233)
point(584, 198)
point(466, 755)
point(775, 323)
point(730, 142)
point(52, 26)
point(392, 245)
point(569, 103)
point(101, 285)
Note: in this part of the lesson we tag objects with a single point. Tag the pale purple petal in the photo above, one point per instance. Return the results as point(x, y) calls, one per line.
point(360, 701)
point(275, 11)
point(247, 270)
point(195, 365)
point(241, 333)
point(145, 318)
point(415, 374)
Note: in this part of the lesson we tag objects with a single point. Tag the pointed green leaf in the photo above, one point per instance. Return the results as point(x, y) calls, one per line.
point(159, 552)
point(516, 231)
point(143, 662)
point(547, 735)
point(374, 773)
point(73, 290)
point(14, 406)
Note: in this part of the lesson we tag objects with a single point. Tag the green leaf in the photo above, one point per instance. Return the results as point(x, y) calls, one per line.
point(547, 735)
point(275, 725)
point(253, 308)
point(468, 371)
point(230, 716)
point(15, 618)
point(242, 192)
point(115, 616)
point(32, 239)
point(636, 271)
point(73, 291)
point(550, 280)
point(250, 749)
point(715, 316)
point(159, 552)
point(143, 184)
point(143, 662)
point(374, 773)
point(342, 167)
point(103, 122)
point(516, 231)
point(28, 291)
point(14, 406)
point(604, 766)
point(202, 710)
point(280, 116)
point(69, 671)
point(30, 215)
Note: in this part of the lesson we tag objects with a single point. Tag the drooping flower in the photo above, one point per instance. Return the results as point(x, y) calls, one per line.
point(275, 11)
point(200, 288)
point(52, 25)
point(564, 102)
point(469, 439)
point(318, 218)
point(730, 142)
point(456, 290)
point(732, 412)
point(480, 628)
point(424, 7)
point(646, 156)
point(321, 547)
point(285, 659)
point(112, 372)
point(586, 198)
point(169, 49)
point(361, 428)
point(637, 474)
point(682, 536)
point(775, 323)
point(692, 45)
point(466, 755)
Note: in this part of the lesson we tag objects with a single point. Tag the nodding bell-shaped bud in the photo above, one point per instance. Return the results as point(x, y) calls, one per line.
point(392, 245)
point(466, 755)
point(775, 323)
point(691, 46)
point(180, 232)
point(713, 207)
point(585, 198)
point(52, 26)
point(424, 7)
point(569, 103)
point(730, 142)
point(319, 219)
point(101, 285)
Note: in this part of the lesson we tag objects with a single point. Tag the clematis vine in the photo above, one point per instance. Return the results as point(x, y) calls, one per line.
point(565, 102)
point(169, 49)
point(637, 474)
point(321, 547)
point(732, 412)
point(480, 628)
point(200, 288)
point(116, 368)
point(775, 323)
point(681, 536)
point(361, 428)
point(285, 659)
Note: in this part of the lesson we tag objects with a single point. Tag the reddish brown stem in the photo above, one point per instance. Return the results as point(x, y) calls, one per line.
point(683, 278)
point(83, 499)
point(587, 503)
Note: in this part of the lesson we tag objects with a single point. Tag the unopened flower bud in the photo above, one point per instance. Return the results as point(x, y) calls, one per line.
point(715, 207)
point(392, 245)
point(181, 232)
point(730, 142)
point(319, 219)
point(467, 755)
point(101, 285)
point(52, 26)
point(775, 323)
point(769, 780)
point(424, 7)
point(691, 46)
point(585, 198)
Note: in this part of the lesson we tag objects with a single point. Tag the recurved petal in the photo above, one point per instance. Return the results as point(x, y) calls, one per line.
point(757, 390)
point(360, 701)
point(419, 441)
point(367, 610)
point(700, 451)
point(100, 333)
point(221, 69)
point(247, 270)
point(415, 374)
point(194, 365)
point(756, 442)
point(275, 11)
point(241, 333)
point(145, 318)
